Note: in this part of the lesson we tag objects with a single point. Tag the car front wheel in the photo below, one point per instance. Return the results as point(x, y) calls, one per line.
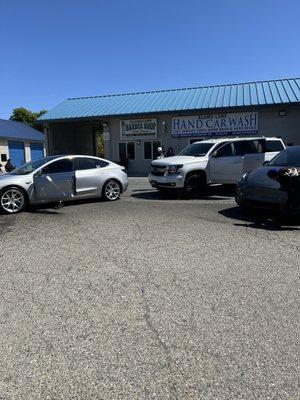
point(12, 200)
point(111, 190)
point(195, 185)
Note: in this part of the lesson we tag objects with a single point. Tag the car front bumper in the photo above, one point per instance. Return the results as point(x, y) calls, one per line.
point(173, 181)
point(259, 197)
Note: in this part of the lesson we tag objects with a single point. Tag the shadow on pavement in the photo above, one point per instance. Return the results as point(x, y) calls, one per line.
point(50, 208)
point(219, 192)
point(258, 219)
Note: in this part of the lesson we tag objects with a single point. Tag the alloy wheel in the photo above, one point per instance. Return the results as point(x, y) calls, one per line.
point(12, 201)
point(112, 190)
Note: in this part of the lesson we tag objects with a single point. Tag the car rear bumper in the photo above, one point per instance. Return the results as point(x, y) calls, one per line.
point(124, 185)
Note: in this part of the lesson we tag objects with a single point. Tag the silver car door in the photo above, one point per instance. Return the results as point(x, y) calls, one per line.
point(89, 176)
point(55, 182)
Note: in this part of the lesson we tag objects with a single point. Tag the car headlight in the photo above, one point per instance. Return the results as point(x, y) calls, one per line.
point(173, 169)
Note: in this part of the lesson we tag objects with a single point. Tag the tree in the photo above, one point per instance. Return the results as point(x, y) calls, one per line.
point(21, 114)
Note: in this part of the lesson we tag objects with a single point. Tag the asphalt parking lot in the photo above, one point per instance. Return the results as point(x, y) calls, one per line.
point(148, 298)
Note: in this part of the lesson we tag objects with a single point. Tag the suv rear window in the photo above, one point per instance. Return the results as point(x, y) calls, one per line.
point(245, 147)
point(274, 145)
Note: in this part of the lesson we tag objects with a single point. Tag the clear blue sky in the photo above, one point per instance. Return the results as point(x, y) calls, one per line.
point(55, 49)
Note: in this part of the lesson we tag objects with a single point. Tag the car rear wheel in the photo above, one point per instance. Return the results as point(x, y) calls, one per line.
point(111, 190)
point(12, 200)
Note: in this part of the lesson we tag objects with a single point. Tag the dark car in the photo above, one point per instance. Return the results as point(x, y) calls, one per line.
point(256, 189)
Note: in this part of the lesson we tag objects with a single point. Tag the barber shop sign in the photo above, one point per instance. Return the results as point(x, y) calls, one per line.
point(138, 128)
point(215, 124)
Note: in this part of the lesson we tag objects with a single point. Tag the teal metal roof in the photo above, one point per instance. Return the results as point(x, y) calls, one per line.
point(199, 98)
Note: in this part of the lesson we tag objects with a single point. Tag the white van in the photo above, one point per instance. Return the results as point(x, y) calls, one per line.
point(212, 161)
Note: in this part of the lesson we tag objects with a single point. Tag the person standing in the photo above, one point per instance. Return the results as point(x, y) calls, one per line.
point(170, 152)
point(289, 180)
point(8, 166)
point(160, 153)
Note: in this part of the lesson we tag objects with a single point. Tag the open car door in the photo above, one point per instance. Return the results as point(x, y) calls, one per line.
point(55, 182)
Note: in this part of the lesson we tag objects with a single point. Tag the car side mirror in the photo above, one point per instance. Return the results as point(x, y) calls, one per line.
point(265, 163)
point(215, 154)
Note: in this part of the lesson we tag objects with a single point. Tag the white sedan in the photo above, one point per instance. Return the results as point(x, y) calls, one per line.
point(61, 178)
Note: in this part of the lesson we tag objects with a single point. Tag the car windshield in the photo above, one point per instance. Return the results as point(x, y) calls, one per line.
point(287, 158)
point(31, 166)
point(196, 149)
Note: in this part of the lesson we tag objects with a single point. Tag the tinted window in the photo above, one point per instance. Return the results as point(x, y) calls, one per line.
point(148, 150)
point(130, 150)
point(245, 147)
point(196, 149)
point(274, 145)
point(127, 149)
point(260, 145)
point(31, 166)
point(287, 158)
point(226, 150)
point(65, 165)
point(195, 140)
point(89, 163)
point(122, 150)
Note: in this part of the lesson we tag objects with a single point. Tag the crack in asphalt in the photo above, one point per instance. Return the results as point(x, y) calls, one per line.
point(147, 313)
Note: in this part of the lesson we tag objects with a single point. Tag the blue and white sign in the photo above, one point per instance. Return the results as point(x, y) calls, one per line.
point(215, 124)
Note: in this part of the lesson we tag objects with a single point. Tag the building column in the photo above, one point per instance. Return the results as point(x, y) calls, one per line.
point(47, 140)
point(27, 151)
point(4, 151)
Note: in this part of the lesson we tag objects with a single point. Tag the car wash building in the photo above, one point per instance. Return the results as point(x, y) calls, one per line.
point(19, 143)
point(133, 125)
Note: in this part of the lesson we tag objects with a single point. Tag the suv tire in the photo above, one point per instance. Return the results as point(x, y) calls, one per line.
point(195, 185)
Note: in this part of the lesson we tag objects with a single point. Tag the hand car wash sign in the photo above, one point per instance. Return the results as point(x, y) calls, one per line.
point(216, 124)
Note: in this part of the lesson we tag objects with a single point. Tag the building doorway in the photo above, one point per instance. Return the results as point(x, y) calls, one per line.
point(16, 152)
point(98, 141)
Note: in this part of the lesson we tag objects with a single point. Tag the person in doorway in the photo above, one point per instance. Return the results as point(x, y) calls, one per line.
point(124, 162)
point(160, 153)
point(289, 180)
point(170, 152)
point(8, 166)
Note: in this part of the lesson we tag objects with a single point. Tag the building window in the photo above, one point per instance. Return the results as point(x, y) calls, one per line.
point(122, 151)
point(127, 150)
point(130, 150)
point(150, 149)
